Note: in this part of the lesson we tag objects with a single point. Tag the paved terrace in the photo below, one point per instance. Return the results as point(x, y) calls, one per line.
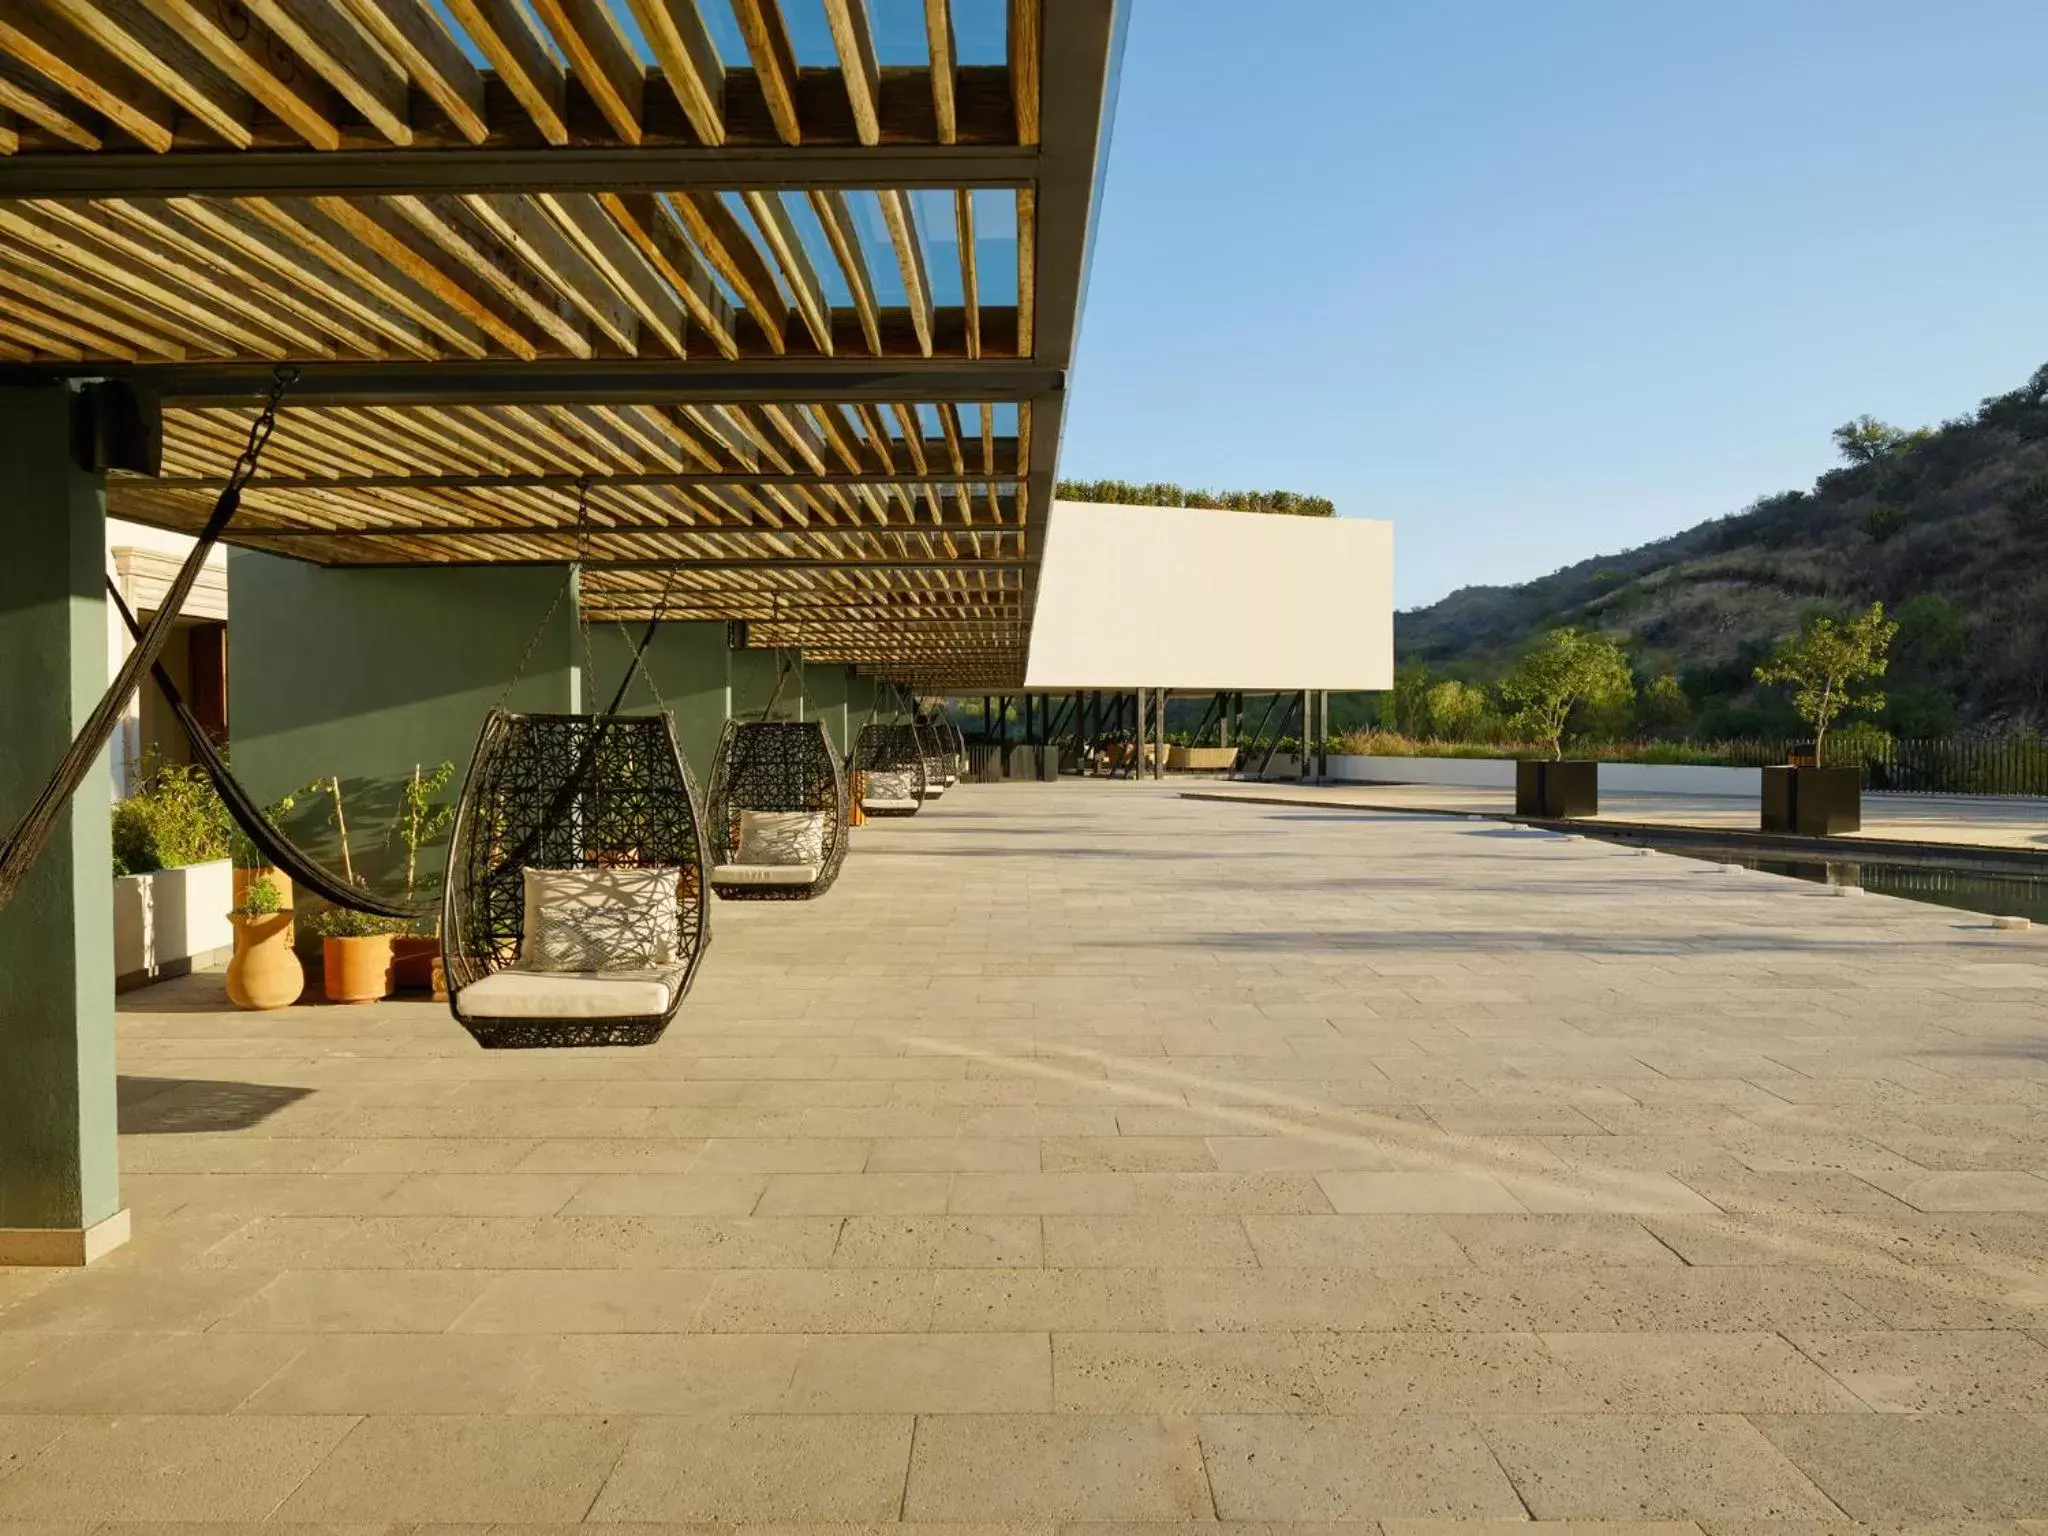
point(1093, 1155)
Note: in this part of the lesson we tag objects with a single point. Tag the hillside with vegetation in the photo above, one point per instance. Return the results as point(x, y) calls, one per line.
point(1947, 526)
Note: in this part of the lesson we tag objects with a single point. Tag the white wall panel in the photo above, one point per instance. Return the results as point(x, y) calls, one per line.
point(1181, 597)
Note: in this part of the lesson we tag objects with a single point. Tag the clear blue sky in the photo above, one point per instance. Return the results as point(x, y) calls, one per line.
point(1539, 279)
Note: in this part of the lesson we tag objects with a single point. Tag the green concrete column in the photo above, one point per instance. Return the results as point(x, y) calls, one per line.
point(60, 1199)
point(364, 672)
point(825, 693)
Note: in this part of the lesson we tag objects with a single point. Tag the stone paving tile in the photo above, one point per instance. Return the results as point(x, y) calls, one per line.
point(1113, 1179)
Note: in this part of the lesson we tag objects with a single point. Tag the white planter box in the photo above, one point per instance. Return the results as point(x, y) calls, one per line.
point(1499, 773)
point(1285, 765)
point(172, 922)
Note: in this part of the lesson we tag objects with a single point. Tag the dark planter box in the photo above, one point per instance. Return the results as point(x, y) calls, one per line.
point(1813, 802)
point(1557, 791)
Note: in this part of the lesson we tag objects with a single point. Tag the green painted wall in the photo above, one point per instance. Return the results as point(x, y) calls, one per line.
point(688, 664)
point(57, 1095)
point(753, 684)
point(365, 673)
point(825, 684)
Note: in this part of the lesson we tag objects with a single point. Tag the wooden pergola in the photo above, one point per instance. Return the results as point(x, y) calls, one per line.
point(752, 325)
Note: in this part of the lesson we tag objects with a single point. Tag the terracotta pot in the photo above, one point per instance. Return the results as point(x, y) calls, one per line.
point(244, 878)
point(264, 973)
point(412, 962)
point(356, 970)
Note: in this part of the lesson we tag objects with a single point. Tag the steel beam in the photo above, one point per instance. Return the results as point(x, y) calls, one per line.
point(595, 535)
point(540, 168)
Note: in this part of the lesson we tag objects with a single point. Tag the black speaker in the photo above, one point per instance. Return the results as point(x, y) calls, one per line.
point(736, 634)
point(115, 425)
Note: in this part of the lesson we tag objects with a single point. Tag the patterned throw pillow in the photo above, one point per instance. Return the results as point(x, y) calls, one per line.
point(600, 919)
point(889, 786)
point(781, 837)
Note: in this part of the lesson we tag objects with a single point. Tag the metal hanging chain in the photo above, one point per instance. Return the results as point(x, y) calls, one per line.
point(533, 642)
point(25, 843)
point(639, 651)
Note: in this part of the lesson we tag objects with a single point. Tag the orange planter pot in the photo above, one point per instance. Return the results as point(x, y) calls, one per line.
point(244, 878)
point(264, 973)
point(412, 962)
point(356, 970)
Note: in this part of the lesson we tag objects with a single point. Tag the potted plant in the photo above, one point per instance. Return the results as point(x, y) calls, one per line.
point(355, 953)
point(265, 972)
point(420, 821)
point(1821, 664)
point(250, 868)
point(1559, 673)
point(173, 882)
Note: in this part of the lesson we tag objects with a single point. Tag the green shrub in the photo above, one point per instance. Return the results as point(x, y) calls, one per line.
point(347, 923)
point(173, 820)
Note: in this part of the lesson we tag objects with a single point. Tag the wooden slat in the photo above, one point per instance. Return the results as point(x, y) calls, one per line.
point(236, 227)
point(855, 41)
point(87, 71)
point(1027, 272)
point(836, 215)
point(229, 269)
point(326, 39)
point(651, 227)
point(774, 59)
point(1025, 46)
point(250, 54)
point(601, 59)
point(724, 242)
point(938, 29)
point(771, 217)
point(500, 29)
point(160, 56)
point(23, 91)
point(590, 229)
point(299, 220)
point(411, 32)
point(456, 231)
point(139, 262)
point(82, 289)
point(529, 232)
point(384, 231)
point(970, 273)
point(896, 212)
point(689, 61)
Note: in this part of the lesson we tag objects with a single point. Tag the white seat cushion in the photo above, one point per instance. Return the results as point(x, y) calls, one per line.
point(888, 785)
point(893, 803)
point(566, 995)
point(599, 919)
point(764, 874)
point(781, 837)
point(934, 789)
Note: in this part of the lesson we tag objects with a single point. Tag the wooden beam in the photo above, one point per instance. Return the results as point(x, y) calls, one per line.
point(938, 27)
point(836, 216)
point(970, 273)
point(24, 92)
point(536, 239)
point(677, 37)
point(363, 75)
point(412, 33)
point(458, 232)
point(771, 217)
point(646, 221)
point(1025, 46)
point(724, 242)
point(384, 231)
point(87, 71)
point(774, 59)
point(251, 55)
point(590, 229)
point(521, 58)
point(1027, 272)
point(160, 56)
point(896, 212)
point(854, 39)
point(603, 62)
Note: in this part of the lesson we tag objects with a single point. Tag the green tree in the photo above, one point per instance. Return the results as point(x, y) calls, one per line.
point(1664, 704)
point(1866, 440)
point(1562, 671)
point(1824, 660)
point(1407, 710)
point(1883, 519)
point(1457, 711)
